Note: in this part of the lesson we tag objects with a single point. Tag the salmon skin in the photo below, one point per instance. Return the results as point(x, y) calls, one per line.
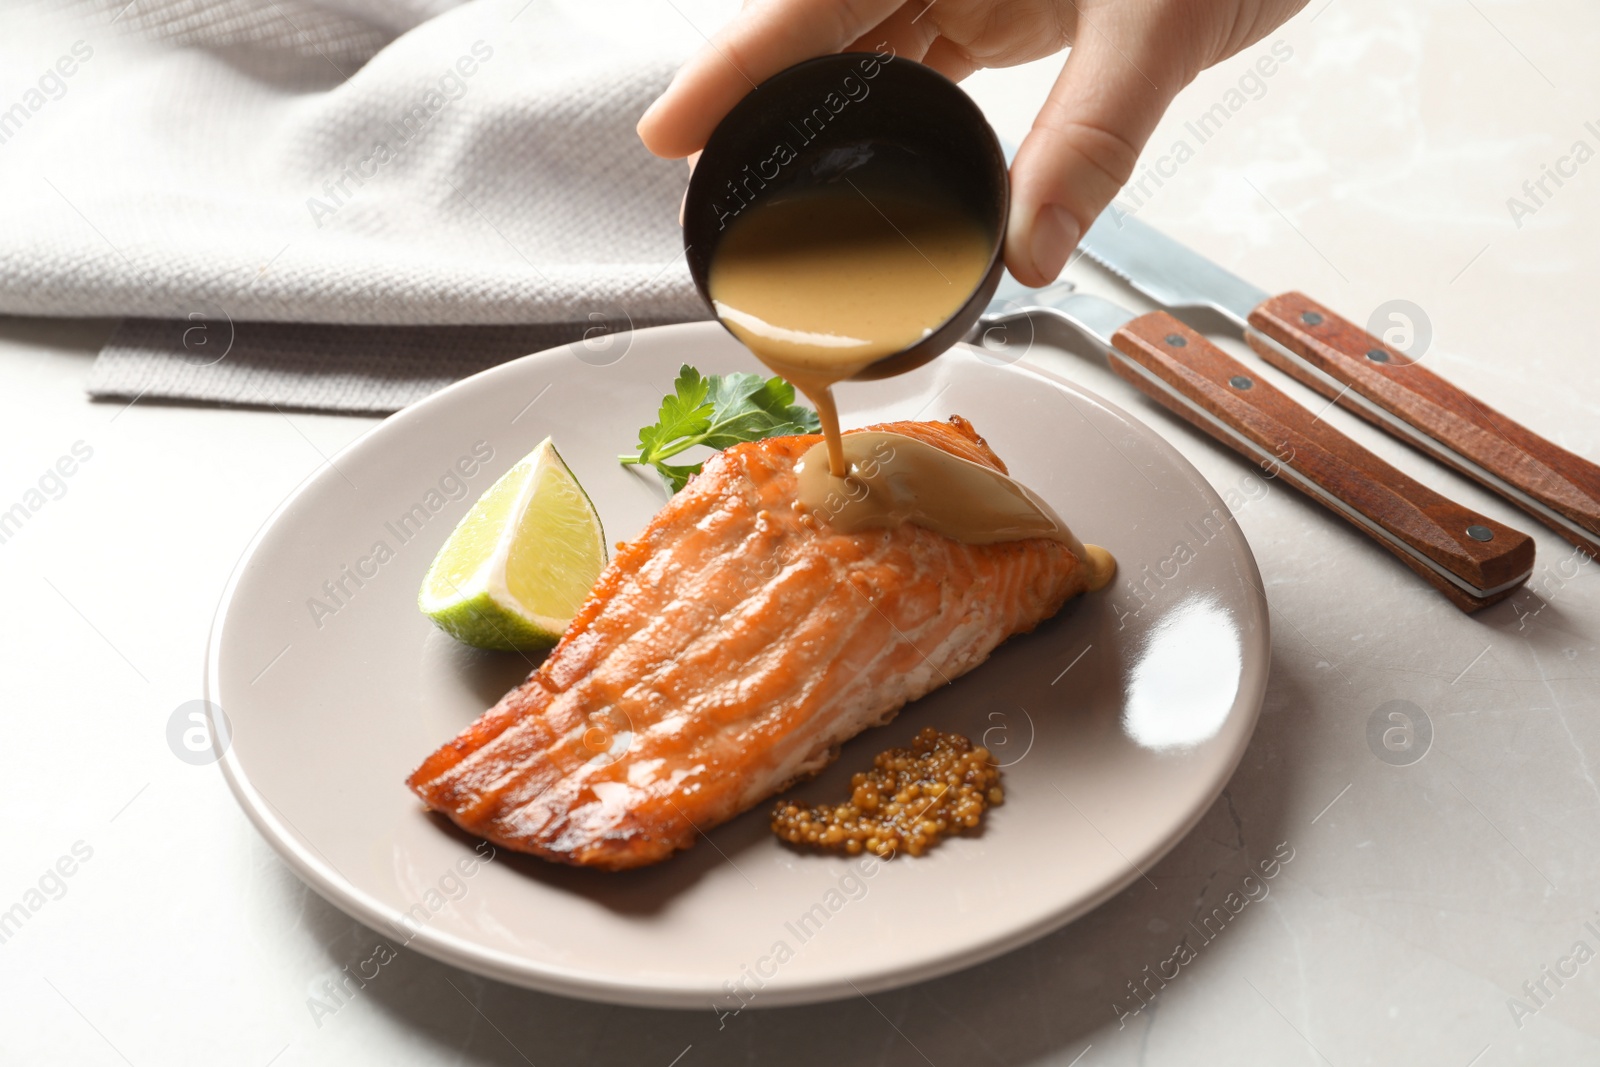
point(728, 652)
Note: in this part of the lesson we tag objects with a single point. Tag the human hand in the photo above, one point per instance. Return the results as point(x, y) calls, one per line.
point(1129, 58)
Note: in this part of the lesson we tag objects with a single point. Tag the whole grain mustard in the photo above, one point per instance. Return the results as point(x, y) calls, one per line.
point(911, 800)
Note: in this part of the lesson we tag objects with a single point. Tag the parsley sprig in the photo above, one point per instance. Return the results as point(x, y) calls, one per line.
point(717, 411)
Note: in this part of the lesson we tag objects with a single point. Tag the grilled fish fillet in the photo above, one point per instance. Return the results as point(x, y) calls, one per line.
point(729, 651)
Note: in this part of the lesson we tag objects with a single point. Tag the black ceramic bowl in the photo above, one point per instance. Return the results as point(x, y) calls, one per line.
point(822, 119)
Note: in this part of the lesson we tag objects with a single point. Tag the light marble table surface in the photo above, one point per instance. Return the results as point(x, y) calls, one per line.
point(1429, 902)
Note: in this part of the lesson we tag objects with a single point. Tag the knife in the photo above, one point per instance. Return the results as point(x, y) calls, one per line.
point(1338, 359)
point(1471, 559)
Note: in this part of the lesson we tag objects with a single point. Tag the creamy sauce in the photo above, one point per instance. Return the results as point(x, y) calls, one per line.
point(894, 479)
point(823, 284)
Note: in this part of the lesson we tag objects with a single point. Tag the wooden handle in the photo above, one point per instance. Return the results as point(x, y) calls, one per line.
point(1434, 536)
point(1558, 488)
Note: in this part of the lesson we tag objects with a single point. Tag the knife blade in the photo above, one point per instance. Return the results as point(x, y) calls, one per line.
point(1361, 372)
point(1472, 559)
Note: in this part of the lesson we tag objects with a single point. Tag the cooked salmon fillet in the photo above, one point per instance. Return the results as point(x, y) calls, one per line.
point(729, 651)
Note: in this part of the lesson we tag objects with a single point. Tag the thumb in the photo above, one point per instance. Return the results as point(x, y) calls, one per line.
point(1083, 147)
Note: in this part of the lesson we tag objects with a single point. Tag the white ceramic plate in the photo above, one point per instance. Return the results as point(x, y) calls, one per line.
point(1117, 722)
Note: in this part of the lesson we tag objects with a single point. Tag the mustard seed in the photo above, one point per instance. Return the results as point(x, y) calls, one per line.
point(911, 800)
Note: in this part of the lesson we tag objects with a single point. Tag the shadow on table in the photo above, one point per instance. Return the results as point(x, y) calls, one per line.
point(1044, 1002)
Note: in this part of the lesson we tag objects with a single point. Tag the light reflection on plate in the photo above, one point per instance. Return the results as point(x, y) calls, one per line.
point(1183, 685)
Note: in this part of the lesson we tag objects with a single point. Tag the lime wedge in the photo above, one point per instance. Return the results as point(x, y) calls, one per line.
point(522, 561)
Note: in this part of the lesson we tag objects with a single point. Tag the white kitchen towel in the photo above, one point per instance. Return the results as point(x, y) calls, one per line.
point(209, 168)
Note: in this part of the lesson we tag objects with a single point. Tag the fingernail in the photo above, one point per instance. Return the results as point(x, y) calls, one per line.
point(1055, 233)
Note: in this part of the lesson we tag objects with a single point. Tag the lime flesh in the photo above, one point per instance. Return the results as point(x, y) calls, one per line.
point(521, 562)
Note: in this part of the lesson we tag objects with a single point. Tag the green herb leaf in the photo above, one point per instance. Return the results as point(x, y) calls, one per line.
point(684, 413)
point(676, 476)
point(722, 410)
point(746, 408)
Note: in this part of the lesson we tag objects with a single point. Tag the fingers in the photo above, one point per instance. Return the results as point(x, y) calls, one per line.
point(905, 33)
point(1083, 145)
point(949, 59)
point(763, 39)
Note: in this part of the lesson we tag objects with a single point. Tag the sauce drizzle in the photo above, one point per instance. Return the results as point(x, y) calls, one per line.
point(822, 284)
point(894, 478)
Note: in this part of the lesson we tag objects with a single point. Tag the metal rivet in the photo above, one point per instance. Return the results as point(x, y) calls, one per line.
point(1377, 355)
point(1310, 318)
point(1176, 340)
point(1480, 533)
point(1239, 381)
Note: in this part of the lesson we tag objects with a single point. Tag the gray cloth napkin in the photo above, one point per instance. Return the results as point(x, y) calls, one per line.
point(337, 204)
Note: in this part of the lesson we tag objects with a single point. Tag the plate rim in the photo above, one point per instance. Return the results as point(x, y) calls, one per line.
point(297, 850)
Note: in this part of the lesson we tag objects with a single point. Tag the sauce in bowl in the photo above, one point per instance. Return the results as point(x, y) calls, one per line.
point(845, 221)
point(824, 283)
